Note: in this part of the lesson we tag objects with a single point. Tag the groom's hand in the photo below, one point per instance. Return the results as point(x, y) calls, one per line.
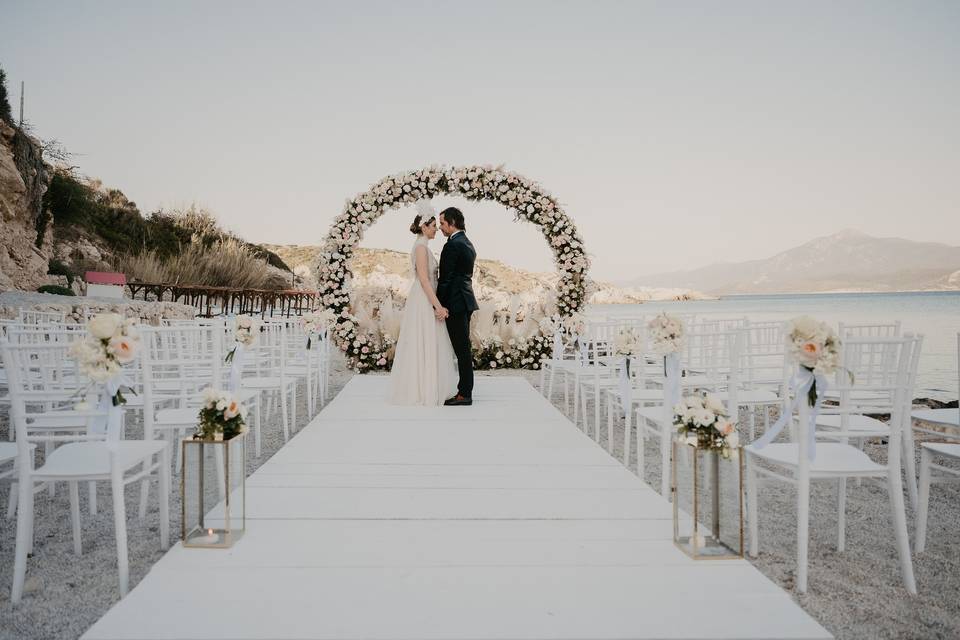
point(441, 313)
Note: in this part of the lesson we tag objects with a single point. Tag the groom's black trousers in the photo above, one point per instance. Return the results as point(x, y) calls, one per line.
point(458, 326)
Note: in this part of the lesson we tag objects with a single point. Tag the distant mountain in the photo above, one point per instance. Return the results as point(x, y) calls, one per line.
point(493, 280)
point(846, 261)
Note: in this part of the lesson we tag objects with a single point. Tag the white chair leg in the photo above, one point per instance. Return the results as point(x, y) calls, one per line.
point(609, 424)
point(665, 461)
point(641, 448)
point(293, 406)
point(12, 502)
point(284, 415)
point(923, 500)
point(627, 428)
point(309, 389)
point(92, 498)
point(51, 486)
point(24, 540)
point(841, 515)
point(163, 493)
point(576, 397)
point(30, 528)
point(144, 496)
point(256, 429)
point(900, 530)
point(120, 528)
point(75, 516)
point(753, 511)
point(178, 458)
point(803, 529)
point(596, 409)
point(910, 464)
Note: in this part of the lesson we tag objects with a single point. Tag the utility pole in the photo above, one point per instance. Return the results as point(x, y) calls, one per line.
point(21, 104)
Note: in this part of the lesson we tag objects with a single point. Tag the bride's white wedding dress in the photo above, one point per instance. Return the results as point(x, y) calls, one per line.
point(424, 369)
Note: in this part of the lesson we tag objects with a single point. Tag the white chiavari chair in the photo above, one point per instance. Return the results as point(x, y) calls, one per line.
point(873, 374)
point(709, 362)
point(596, 370)
point(80, 457)
point(265, 372)
point(933, 455)
point(31, 316)
point(944, 420)
point(837, 461)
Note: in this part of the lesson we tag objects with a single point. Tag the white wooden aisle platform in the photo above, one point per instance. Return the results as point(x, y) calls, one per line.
point(500, 520)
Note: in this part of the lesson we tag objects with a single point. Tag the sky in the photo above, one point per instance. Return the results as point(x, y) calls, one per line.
point(675, 134)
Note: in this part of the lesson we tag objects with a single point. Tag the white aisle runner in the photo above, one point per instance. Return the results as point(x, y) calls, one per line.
point(500, 520)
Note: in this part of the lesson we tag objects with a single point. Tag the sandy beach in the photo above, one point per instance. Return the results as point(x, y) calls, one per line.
point(855, 594)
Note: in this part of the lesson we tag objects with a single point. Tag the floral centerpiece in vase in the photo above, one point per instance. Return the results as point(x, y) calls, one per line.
point(213, 481)
point(705, 440)
point(222, 416)
point(702, 421)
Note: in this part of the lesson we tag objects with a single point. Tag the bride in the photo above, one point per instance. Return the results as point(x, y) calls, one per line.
point(424, 372)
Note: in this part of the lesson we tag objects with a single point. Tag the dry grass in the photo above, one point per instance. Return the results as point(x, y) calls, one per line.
point(225, 263)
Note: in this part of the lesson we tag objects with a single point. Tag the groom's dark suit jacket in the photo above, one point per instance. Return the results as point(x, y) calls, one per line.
point(455, 285)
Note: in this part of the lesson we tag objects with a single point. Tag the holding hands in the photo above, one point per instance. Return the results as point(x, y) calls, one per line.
point(441, 312)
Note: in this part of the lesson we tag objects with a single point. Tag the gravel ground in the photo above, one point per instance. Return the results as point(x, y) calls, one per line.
point(855, 594)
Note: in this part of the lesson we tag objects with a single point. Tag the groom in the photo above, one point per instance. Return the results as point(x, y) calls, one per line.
point(455, 293)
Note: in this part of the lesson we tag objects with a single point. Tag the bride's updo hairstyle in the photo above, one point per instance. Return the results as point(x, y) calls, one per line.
point(417, 227)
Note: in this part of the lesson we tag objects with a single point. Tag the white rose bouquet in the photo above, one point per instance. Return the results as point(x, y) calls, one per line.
point(814, 346)
point(628, 343)
point(222, 416)
point(245, 330)
point(316, 322)
point(111, 342)
point(702, 421)
point(666, 333)
point(575, 324)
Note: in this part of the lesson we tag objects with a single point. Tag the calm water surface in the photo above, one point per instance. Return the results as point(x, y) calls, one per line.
point(934, 314)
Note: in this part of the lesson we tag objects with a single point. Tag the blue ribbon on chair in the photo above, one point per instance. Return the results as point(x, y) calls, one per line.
point(626, 387)
point(109, 403)
point(801, 383)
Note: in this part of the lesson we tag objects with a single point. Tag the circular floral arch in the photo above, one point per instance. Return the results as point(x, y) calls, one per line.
point(528, 200)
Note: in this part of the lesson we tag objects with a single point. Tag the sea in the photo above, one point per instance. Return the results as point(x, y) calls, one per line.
point(935, 314)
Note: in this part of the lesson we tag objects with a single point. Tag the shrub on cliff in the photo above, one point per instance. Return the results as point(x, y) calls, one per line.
point(5, 113)
point(224, 263)
point(108, 214)
point(56, 290)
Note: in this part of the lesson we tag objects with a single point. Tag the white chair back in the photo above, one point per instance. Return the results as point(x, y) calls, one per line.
point(30, 316)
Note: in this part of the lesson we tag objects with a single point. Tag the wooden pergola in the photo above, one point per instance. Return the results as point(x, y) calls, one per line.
point(261, 302)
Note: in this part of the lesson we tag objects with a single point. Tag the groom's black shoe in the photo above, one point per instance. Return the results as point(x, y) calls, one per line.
point(458, 401)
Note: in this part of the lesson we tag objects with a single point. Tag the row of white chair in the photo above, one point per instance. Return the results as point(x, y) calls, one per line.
point(177, 361)
point(745, 364)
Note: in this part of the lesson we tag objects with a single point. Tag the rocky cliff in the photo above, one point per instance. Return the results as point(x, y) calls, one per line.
point(26, 240)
